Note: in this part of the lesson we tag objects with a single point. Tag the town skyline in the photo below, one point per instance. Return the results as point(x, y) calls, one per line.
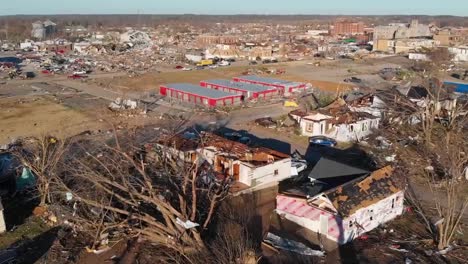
point(241, 7)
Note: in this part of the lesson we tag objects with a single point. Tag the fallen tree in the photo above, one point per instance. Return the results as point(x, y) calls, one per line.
point(126, 191)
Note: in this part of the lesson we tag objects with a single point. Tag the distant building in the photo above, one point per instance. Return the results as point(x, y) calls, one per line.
point(386, 37)
point(345, 27)
point(41, 30)
point(208, 40)
point(38, 30)
point(223, 51)
point(448, 38)
point(460, 53)
point(135, 37)
point(76, 30)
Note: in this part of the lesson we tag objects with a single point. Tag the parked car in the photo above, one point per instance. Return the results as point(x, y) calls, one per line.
point(233, 136)
point(79, 73)
point(245, 140)
point(179, 67)
point(77, 76)
point(353, 80)
point(30, 75)
point(322, 141)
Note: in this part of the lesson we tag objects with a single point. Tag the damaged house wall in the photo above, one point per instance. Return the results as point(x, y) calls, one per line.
point(339, 121)
point(273, 172)
point(341, 132)
point(359, 206)
point(250, 166)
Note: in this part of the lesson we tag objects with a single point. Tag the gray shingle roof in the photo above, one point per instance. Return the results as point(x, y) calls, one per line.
point(242, 86)
point(198, 90)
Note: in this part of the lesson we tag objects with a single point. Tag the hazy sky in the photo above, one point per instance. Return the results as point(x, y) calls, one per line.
point(357, 7)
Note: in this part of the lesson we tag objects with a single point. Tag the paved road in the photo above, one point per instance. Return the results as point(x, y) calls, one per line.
point(56, 78)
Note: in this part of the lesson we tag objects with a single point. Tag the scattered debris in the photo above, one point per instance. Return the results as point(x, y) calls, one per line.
point(291, 245)
point(397, 248)
point(125, 104)
point(187, 224)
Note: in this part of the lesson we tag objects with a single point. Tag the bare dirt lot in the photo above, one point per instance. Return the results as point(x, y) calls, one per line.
point(152, 81)
point(33, 116)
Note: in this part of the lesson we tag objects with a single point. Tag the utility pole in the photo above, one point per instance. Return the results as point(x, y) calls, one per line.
point(138, 19)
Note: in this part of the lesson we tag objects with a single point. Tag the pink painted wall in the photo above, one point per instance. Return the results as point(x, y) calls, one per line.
point(340, 230)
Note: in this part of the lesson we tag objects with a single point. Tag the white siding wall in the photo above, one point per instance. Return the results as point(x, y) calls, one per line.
point(380, 212)
point(245, 174)
point(274, 172)
point(342, 132)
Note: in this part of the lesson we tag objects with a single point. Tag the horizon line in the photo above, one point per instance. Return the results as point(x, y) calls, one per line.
point(221, 14)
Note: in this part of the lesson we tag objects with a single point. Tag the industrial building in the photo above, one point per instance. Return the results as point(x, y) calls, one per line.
point(345, 27)
point(198, 95)
point(246, 89)
point(282, 85)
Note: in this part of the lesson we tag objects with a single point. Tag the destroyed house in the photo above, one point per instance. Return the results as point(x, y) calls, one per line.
point(282, 85)
point(336, 121)
point(197, 95)
point(248, 166)
point(368, 103)
point(246, 89)
point(344, 212)
point(442, 100)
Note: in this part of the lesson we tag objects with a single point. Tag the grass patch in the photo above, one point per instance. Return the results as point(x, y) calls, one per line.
point(32, 228)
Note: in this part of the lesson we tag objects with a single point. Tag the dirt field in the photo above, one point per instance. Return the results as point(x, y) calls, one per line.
point(152, 81)
point(34, 116)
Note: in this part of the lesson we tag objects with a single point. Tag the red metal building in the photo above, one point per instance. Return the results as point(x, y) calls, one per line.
point(246, 89)
point(282, 85)
point(195, 94)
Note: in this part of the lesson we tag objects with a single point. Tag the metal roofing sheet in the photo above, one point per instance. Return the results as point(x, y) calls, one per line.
point(238, 85)
point(198, 90)
point(268, 80)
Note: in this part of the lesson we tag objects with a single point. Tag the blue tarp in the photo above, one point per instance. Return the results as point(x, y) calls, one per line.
point(459, 87)
point(26, 180)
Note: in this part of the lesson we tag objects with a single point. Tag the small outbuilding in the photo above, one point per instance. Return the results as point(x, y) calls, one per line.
point(194, 94)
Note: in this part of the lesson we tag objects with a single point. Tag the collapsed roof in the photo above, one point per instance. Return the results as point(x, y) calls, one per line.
point(364, 191)
point(337, 112)
point(224, 147)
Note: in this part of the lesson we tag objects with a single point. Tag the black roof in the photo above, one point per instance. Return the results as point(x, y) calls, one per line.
point(328, 168)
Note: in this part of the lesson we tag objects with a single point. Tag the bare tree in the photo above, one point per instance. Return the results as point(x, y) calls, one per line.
point(134, 192)
point(42, 156)
point(452, 203)
point(442, 162)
